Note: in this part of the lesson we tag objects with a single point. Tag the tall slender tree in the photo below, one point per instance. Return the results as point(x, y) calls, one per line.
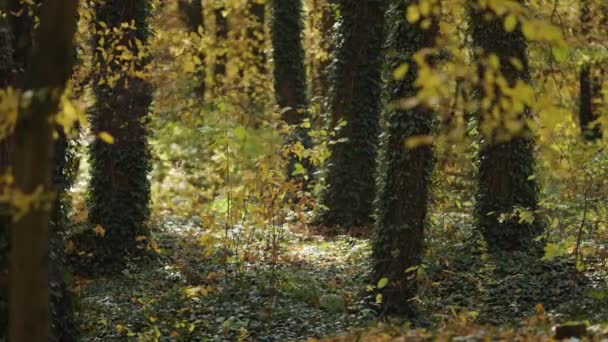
point(289, 69)
point(192, 15)
point(255, 33)
point(328, 21)
point(256, 64)
point(119, 188)
point(221, 37)
point(6, 79)
point(46, 75)
point(592, 73)
point(403, 173)
point(506, 165)
point(355, 98)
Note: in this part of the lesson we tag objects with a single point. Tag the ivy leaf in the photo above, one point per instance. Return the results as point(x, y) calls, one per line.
point(382, 283)
point(379, 298)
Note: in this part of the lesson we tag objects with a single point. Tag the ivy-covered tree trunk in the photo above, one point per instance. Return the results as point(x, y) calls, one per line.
point(290, 71)
point(192, 15)
point(328, 20)
point(63, 327)
point(592, 73)
point(355, 98)
point(403, 173)
point(506, 160)
point(119, 190)
point(48, 71)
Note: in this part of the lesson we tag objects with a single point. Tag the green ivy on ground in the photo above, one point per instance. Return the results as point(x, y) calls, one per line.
point(320, 290)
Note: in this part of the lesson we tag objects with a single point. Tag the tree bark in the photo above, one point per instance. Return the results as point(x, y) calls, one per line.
point(119, 188)
point(506, 160)
point(221, 37)
point(192, 14)
point(46, 76)
point(290, 72)
point(403, 173)
point(355, 98)
point(591, 73)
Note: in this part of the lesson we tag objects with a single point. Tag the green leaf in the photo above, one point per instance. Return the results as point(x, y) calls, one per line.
point(382, 283)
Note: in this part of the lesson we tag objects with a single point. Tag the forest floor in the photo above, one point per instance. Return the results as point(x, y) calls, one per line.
point(317, 287)
point(311, 290)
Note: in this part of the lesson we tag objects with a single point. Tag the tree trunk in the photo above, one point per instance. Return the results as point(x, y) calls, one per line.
point(256, 43)
point(591, 74)
point(290, 71)
point(506, 160)
point(355, 98)
point(221, 38)
point(328, 20)
point(255, 33)
point(65, 166)
point(192, 14)
point(403, 174)
point(119, 189)
point(6, 79)
point(47, 73)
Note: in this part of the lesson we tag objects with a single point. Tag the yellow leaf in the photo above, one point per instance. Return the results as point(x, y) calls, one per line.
point(418, 140)
point(188, 66)
point(494, 61)
point(413, 14)
point(174, 334)
point(106, 137)
point(154, 246)
point(510, 23)
point(120, 328)
point(401, 71)
point(425, 8)
point(99, 230)
point(426, 24)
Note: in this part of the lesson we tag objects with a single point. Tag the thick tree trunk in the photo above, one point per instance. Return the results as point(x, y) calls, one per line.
point(120, 190)
point(403, 173)
point(290, 70)
point(355, 98)
point(47, 73)
point(506, 162)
